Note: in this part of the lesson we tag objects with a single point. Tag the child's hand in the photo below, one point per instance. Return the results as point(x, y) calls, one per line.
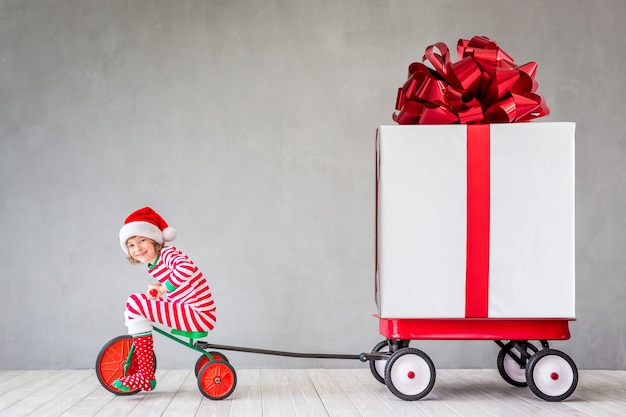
point(156, 291)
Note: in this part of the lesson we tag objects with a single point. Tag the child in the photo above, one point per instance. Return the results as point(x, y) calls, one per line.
point(188, 306)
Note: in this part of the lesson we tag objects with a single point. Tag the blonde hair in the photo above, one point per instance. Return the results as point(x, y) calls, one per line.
point(157, 248)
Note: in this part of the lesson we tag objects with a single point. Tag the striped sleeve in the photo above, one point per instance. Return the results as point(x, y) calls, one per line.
point(181, 267)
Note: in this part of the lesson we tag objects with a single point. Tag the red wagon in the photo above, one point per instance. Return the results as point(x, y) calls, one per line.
point(470, 219)
point(409, 373)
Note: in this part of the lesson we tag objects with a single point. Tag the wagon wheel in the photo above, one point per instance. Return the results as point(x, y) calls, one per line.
point(508, 365)
point(378, 366)
point(111, 361)
point(551, 375)
point(217, 380)
point(410, 374)
point(204, 359)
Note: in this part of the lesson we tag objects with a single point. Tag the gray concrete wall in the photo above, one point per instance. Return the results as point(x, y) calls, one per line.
point(250, 126)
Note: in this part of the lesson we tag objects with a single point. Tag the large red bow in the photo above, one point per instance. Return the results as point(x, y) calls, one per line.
point(484, 86)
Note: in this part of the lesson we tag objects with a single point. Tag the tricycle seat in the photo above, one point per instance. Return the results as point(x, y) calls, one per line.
point(190, 335)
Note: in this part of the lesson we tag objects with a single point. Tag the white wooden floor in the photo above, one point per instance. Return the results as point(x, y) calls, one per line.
point(304, 392)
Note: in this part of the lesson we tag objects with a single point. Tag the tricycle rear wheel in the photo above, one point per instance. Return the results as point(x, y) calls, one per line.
point(217, 380)
point(204, 359)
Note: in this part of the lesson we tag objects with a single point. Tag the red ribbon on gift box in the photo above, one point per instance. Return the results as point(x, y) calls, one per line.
point(478, 221)
point(484, 86)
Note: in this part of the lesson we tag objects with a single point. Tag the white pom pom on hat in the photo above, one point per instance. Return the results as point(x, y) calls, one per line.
point(147, 223)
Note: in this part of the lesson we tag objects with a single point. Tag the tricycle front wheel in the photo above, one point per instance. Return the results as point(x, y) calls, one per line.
point(112, 361)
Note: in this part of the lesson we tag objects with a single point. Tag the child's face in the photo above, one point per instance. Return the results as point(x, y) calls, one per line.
point(142, 249)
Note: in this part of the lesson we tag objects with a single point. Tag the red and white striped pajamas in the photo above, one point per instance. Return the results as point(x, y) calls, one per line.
point(188, 307)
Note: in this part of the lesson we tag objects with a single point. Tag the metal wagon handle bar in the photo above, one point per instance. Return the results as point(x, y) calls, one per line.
point(363, 357)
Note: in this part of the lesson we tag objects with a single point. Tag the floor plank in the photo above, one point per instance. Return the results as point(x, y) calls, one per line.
point(382, 395)
point(83, 385)
point(210, 408)
point(304, 397)
point(40, 391)
point(304, 393)
point(246, 400)
point(186, 401)
point(92, 403)
point(155, 403)
point(336, 400)
point(275, 393)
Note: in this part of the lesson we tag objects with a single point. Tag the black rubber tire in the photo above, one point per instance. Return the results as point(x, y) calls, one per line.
point(505, 359)
point(380, 347)
point(552, 375)
point(217, 380)
point(405, 366)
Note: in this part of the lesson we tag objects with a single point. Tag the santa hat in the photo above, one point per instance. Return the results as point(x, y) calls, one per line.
point(147, 223)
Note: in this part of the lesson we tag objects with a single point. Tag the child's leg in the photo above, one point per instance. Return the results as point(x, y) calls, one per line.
point(144, 378)
point(137, 324)
point(141, 312)
point(141, 329)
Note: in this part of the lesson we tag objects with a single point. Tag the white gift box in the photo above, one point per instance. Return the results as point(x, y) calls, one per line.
point(442, 252)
